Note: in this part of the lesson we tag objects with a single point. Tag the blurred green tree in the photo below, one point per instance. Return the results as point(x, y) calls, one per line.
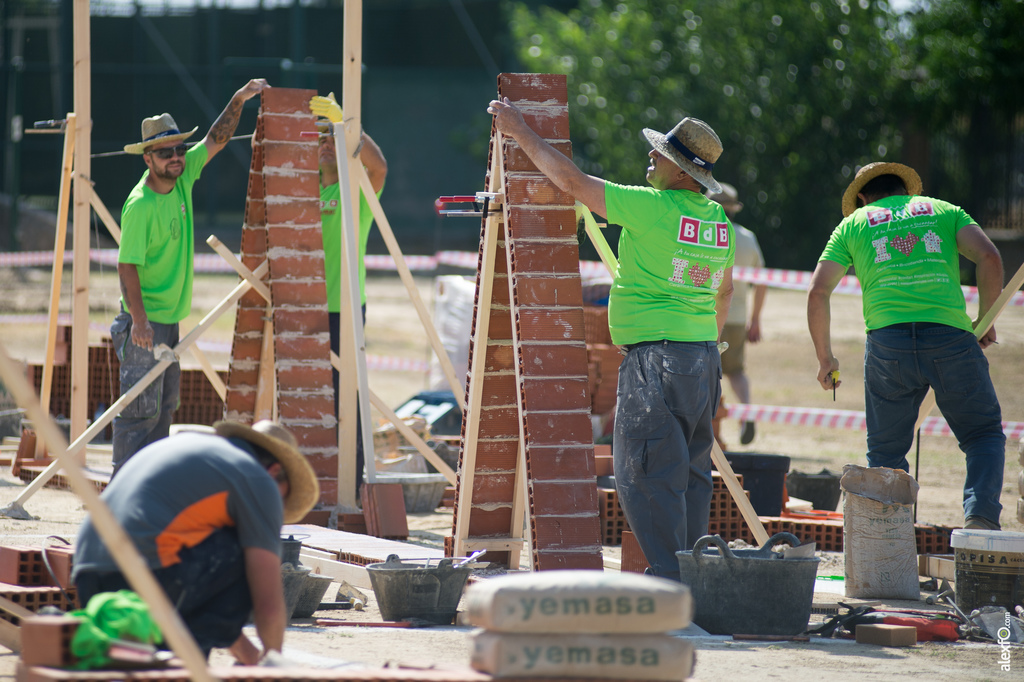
point(800, 93)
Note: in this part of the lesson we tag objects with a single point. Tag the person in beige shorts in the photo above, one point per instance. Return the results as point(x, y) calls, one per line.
point(739, 327)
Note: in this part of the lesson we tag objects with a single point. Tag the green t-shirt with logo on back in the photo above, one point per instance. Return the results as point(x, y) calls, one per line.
point(673, 252)
point(903, 249)
point(157, 237)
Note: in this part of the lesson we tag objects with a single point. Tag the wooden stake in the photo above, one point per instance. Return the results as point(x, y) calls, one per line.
point(79, 355)
point(63, 198)
point(467, 468)
point(122, 402)
point(458, 388)
point(120, 546)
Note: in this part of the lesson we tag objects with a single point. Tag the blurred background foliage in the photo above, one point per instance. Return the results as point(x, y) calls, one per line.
point(801, 95)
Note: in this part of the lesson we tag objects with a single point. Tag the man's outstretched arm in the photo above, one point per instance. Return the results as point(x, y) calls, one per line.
point(224, 127)
point(587, 189)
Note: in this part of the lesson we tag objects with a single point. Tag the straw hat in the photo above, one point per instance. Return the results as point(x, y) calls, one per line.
point(303, 489)
point(693, 146)
point(728, 197)
point(156, 129)
point(867, 173)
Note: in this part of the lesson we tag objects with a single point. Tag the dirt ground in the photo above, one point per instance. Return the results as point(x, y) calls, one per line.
point(781, 369)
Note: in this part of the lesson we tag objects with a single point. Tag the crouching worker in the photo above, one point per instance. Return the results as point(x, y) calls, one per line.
point(205, 511)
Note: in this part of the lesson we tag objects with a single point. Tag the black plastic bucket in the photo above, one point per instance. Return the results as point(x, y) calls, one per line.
point(749, 592)
point(418, 590)
point(821, 490)
point(764, 477)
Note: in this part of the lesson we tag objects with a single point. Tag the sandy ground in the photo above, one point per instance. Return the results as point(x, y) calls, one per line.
point(782, 371)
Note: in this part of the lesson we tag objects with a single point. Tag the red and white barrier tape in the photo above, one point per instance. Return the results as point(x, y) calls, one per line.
point(212, 263)
point(841, 419)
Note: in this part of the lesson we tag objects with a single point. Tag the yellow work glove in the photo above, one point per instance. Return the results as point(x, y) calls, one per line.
point(326, 107)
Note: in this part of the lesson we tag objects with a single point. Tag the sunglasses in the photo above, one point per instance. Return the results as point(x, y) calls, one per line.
point(169, 152)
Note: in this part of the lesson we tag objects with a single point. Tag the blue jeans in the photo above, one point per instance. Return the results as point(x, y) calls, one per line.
point(900, 365)
point(147, 418)
point(208, 587)
point(667, 396)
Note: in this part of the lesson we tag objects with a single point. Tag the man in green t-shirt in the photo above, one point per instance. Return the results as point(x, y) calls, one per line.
point(330, 219)
point(154, 265)
point(905, 249)
point(667, 307)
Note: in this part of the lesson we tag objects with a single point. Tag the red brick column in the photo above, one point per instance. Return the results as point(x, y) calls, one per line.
point(546, 349)
point(283, 217)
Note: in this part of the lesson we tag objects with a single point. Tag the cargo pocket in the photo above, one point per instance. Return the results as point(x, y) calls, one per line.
point(135, 363)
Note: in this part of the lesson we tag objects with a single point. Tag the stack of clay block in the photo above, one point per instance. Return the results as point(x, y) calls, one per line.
point(580, 624)
point(534, 388)
point(25, 581)
point(282, 225)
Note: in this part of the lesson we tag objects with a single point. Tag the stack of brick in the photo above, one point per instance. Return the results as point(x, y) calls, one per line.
point(580, 624)
point(282, 225)
point(25, 580)
point(535, 385)
point(200, 403)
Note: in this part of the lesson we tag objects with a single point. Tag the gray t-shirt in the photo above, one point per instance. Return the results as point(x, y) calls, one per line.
point(174, 493)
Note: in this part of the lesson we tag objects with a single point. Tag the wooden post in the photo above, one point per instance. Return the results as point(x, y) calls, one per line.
point(462, 545)
point(63, 197)
point(80, 270)
point(120, 546)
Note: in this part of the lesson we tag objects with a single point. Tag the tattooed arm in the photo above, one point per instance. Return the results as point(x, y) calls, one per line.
point(224, 127)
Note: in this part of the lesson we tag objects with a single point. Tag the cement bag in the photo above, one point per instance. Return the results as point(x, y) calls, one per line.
point(879, 544)
point(579, 602)
point(453, 320)
point(633, 657)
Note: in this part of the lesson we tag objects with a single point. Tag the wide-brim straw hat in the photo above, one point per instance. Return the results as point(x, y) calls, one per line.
point(303, 488)
point(693, 146)
point(158, 129)
point(866, 174)
point(728, 197)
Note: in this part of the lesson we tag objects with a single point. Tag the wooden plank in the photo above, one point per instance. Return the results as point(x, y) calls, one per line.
point(467, 467)
point(357, 576)
point(63, 197)
point(113, 536)
point(79, 355)
point(410, 286)
point(937, 566)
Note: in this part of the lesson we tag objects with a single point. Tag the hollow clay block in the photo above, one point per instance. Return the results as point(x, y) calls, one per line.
point(627, 657)
point(579, 602)
point(887, 635)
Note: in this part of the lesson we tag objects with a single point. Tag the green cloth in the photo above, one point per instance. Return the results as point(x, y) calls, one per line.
point(157, 237)
point(673, 252)
point(107, 616)
point(904, 252)
point(330, 219)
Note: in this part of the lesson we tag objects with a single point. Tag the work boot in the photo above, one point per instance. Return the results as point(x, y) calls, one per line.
point(980, 523)
point(746, 432)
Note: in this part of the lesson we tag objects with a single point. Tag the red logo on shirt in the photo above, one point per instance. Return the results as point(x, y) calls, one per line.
point(878, 216)
point(922, 208)
point(905, 244)
point(692, 231)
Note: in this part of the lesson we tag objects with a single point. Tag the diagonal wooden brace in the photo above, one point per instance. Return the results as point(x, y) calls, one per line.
point(17, 506)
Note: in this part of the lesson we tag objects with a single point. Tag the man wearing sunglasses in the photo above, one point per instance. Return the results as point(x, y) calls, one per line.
point(154, 265)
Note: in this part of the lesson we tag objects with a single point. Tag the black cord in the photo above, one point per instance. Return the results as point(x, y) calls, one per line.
point(49, 569)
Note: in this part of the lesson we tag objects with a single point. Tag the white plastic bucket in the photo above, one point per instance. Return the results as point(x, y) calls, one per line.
point(989, 568)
